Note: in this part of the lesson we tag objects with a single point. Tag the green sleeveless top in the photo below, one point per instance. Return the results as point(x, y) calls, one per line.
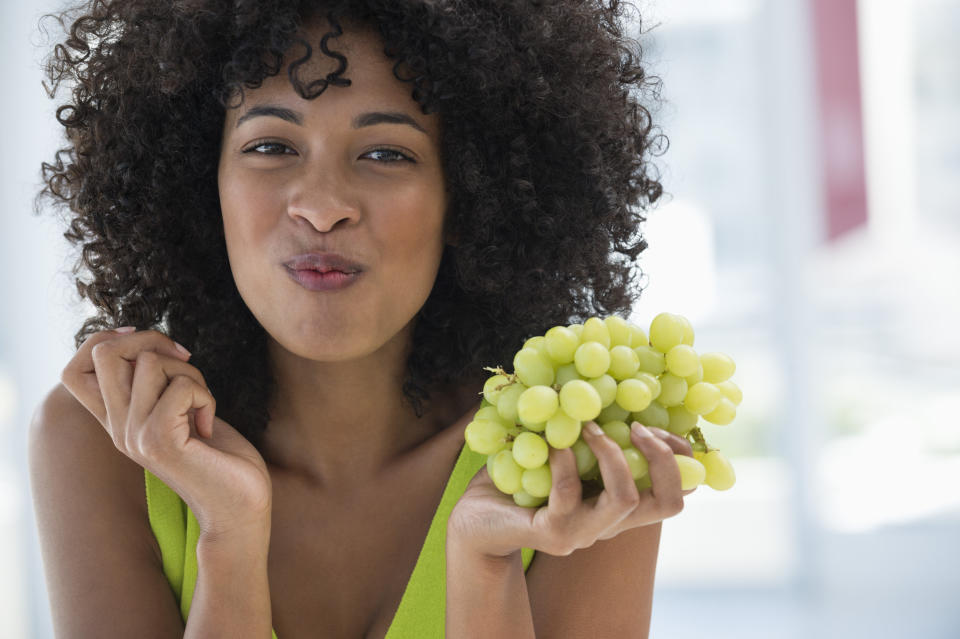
point(422, 610)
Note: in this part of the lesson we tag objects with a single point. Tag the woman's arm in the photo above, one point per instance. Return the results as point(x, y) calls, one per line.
point(593, 575)
point(104, 572)
point(102, 563)
point(605, 590)
point(486, 596)
point(232, 596)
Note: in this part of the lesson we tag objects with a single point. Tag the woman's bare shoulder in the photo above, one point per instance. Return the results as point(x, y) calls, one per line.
point(99, 553)
point(67, 440)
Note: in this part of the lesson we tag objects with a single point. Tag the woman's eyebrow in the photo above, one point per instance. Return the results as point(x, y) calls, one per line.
point(363, 119)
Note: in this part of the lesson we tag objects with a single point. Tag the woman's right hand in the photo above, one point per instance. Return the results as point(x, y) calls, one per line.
point(143, 392)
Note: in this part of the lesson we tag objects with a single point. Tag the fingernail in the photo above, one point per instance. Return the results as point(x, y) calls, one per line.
point(125, 329)
point(641, 430)
point(594, 429)
point(181, 348)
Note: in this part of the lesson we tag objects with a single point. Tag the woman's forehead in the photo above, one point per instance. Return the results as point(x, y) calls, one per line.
point(369, 70)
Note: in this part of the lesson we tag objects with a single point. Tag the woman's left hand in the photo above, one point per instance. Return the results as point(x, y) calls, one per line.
point(489, 521)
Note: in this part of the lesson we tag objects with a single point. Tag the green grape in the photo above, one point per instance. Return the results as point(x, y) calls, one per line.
point(672, 389)
point(717, 367)
point(682, 421)
point(682, 360)
point(537, 404)
point(624, 362)
point(719, 471)
point(666, 331)
point(586, 460)
point(687, 331)
point(536, 427)
point(529, 450)
point(593, 473)
point(485, 436)
point(731, 391)
point(651, 361)
point(652, 382)
point(490, 392)
point(561, 344)
point(637, 336)
point(592, 359)
point(539, 344)
point(536, 481)
point(506, 472)
point(595, 330)
point(613, 412)
point(607, 388)
point(692, 472)
point(490, 459)
point(490, 412)
point(562, 430)
point(636, 461)
point(523, 498)
point(507, 402)
point(723, 414)
point(702, 398)
point(577, 329)
point(580, 400)
point(532, 368)
point(656, 415)
point(643, 483)
point(697, 376)
point(618, 432)
point(619, 331)
point(633, 394)
point(565, 373)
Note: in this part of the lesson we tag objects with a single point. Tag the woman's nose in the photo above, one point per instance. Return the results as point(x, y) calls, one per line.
point(324, 201)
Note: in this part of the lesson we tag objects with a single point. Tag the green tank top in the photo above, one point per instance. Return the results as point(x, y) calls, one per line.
point(422, 610)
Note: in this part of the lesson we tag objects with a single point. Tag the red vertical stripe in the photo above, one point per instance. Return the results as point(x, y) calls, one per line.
point(841, 120)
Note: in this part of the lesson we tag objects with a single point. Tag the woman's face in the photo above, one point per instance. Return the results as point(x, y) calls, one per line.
point(325, 176)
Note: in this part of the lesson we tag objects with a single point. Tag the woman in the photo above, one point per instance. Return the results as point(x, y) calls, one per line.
point(344, 210)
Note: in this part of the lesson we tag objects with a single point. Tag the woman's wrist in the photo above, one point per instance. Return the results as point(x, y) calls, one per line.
point(252, 539)
point(486, 594)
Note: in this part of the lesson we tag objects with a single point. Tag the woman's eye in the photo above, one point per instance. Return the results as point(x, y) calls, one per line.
point(259, 145)
point(400, 157)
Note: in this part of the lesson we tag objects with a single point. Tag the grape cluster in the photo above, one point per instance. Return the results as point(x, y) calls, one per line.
point(608, 371)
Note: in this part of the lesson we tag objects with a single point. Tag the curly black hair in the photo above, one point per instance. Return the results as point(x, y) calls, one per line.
point(547, 144)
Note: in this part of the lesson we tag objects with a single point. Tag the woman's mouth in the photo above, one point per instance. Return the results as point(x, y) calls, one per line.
point(331, 280)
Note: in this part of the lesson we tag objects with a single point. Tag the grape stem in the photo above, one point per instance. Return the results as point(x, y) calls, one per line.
point(697, 436)
point(511, 377)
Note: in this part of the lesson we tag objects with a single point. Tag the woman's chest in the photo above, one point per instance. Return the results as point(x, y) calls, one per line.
point(339, 567)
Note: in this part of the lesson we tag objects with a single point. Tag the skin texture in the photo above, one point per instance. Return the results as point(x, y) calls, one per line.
point(375, 195)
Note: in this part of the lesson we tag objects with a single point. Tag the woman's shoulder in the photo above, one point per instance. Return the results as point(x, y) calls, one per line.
point(90, 507)
point(69, 447)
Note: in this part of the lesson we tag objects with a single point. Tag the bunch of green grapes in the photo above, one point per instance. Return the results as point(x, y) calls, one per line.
point(608, 371)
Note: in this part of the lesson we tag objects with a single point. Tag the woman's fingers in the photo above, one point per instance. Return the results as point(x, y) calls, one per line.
point(165, 386)
point(679, 444)
point(180, 396)
point(565, 489)
point(80, 376)
point(128, 404)
point(664, 473)
point(619, 496)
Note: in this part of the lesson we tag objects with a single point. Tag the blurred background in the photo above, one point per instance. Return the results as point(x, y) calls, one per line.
point(811, 230)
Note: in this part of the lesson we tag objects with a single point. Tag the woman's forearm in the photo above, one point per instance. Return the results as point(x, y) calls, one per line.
point(486, 597)
point(232, 595)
